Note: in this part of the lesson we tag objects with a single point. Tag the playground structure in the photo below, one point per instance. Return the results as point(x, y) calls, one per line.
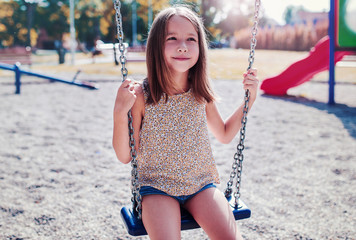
point(341, 41)
point(302, 70)
point(11, 59)
point(18, 72)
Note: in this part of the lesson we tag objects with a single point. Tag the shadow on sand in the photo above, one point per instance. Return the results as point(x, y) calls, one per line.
point(345, 113)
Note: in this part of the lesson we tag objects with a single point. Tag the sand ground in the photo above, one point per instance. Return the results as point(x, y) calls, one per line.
point(59, 178)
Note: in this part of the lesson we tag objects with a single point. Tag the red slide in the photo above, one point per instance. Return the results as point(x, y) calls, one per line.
point(302, 70)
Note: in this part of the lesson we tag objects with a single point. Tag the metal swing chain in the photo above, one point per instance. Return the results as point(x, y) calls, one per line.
point(135, 188)
point(239, 157)
point(251, 57)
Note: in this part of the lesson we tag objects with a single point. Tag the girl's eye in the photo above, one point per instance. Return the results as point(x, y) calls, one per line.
point(171, 38)
point(192, 39)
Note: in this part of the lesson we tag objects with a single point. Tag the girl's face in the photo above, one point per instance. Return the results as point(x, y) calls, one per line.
point(181, 49)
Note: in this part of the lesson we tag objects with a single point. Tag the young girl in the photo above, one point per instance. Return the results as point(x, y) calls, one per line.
point(172, 110)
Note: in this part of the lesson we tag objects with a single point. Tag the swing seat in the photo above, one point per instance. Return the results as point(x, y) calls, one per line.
point(135, 226)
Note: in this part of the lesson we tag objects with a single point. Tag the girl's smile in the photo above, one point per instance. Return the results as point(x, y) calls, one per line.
point(181, 58)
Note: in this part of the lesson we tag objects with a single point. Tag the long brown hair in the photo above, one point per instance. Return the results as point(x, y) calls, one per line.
point(158, 73)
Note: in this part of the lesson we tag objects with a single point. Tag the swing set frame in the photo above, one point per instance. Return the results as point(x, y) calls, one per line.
point(131, 215)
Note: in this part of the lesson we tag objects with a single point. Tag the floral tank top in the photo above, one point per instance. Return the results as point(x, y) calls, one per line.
point(175, 155)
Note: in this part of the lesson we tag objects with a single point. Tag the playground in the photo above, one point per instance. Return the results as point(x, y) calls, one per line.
point(61, 179)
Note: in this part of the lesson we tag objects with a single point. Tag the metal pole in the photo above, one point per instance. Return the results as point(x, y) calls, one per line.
point(199, 5)
point(29, 6)
point(150, 14)
point(331, 52)
point(17, 78)
point(72, 31)
point(134, 23)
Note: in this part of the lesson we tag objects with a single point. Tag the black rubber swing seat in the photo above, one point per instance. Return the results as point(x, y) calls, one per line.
point(135, 226)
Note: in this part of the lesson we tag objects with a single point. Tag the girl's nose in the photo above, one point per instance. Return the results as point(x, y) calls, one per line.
point(182, 48)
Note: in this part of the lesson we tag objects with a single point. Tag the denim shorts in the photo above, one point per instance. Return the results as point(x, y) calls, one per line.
point(147, 190)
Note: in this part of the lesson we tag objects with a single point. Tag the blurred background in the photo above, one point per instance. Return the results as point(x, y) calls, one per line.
point(65, 37)
point(45, 24)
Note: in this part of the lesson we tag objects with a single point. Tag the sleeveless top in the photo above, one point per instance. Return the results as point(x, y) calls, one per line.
point(175, 155)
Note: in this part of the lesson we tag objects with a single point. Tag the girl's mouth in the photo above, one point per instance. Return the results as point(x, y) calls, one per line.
point(180, 58)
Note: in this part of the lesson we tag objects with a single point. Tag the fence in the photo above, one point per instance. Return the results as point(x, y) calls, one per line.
point(299, 37)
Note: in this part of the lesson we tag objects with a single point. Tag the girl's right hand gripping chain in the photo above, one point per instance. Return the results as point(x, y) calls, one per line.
point(125, 98)
point(251, 82)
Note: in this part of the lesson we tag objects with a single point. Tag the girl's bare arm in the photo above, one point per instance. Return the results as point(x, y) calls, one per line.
point(225, 131)
point(128, 97)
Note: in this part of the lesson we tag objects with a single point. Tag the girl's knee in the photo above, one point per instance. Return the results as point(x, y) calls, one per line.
point(229, 234)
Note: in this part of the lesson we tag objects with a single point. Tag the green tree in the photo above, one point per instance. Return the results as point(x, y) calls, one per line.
point(87, 19)
point(209, 13)
point(13, 30)
point(156, 5)
point(95, 18)
point(53, 16)
point(290, 12)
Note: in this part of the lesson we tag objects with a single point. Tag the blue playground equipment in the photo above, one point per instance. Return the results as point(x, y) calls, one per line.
point(135, 226)
point(342, 36)
point(18, 72)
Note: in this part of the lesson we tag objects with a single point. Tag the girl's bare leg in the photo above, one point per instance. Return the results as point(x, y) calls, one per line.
point(161, 217)
point(212, 212)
